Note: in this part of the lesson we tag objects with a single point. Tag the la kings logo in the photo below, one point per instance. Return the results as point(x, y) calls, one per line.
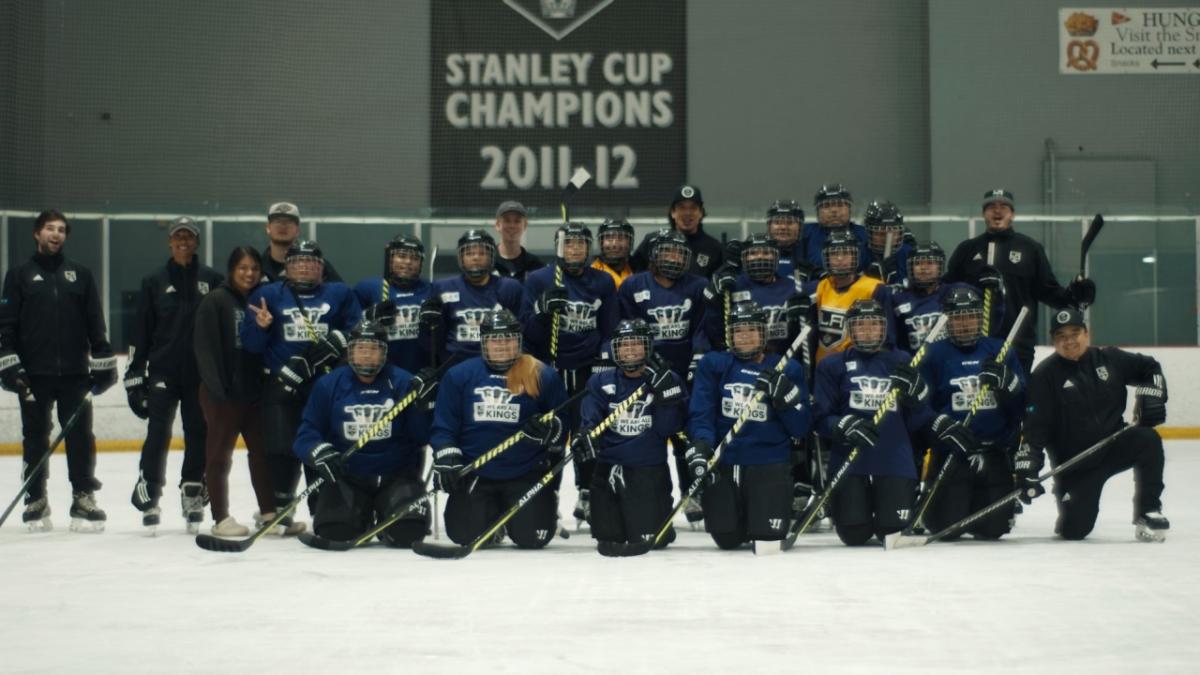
point(363, 417)
point(776, 325)
point(740, 397)
point(579, 316)
point(469, 319)
point(495, 405)
point(870, 393)
point(634, 421)
point(920, 325)
point(407, 323)
point(968, 388)
point(832, 324)
point(299, 324)
point(670, 322)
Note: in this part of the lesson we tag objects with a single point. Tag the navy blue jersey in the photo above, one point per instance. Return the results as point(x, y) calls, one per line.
point(917, 312)
point(464, 305)
point(330, 306)
point(721, 390)
point(899, 274)
point(342, 409)
point(584, 328)
point(952, 373)
point(853, 383)
point(674, 314)
point(408, 346)
point(638, 437)
point(771, 298)
point(475, 412)
point(787, 265)
point(812, 238)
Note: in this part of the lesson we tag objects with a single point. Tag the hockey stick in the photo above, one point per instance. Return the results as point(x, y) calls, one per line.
point(901, 540)
point(37, 469)
point(455, 552)
point(800, 527)
point(1090, 236)
point(622, 549)
point(951, 458)
point(317, 541)
point(213, 543)
point(577, 181)
point(987, 292)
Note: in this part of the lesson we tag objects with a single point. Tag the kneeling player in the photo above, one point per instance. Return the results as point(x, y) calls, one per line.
point(385, 473)
point(748, 495)
point(481, 402)
point(876, 494)
point(631, 484)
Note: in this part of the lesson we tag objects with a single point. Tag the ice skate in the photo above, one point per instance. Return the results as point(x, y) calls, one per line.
point(229, 527)
point(1152, 527)
point(151, 518)
point(694, 514)
point(193, 496)
point(37, 516)
point(583, 509)
point(286, 528)
point(85, 515)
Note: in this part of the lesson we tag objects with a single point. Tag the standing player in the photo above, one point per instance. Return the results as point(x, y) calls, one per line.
point(785, 218)
point(162, 375)
point(833, 203)
point(481, 402)
point(394, 300)
point(883, 221)
point(1077, 397)
point(686, 216)
point(834, 294)
point(630, 487)
point(53, 349)
point(952, 368)
point(386, 472)
point(283, 230)
point(749, 492)
point(759, 282)
point(298, 326)
point(455, 307)
point(511, 259)
point(616, 242)
point(918, 306)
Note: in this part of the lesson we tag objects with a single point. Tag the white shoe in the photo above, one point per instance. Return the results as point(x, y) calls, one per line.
point(286, 527)
point(229, 527)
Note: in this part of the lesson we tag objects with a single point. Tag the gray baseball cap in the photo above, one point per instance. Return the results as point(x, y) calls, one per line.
point(999, 195)
point(183, 223)
point(511, 205)
point(284, 209)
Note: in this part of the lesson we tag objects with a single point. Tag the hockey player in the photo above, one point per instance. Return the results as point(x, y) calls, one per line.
point(835, 293)
point(54, 349)
point(385, 473)
point(299, 327)
point(162, 375)
point(1077, 397)
point(758, 281)
point(918, 306)
point(585, 307)
point(955, 369)
point(394, 301)
point(455, 307)
point(883, 222)
point(833, 203)
point(1028, 277)
point(616, 242)
point(876, 494)
point(512, 260)
point(630, 487)
point(749, 493)
point(785, 219)
point(481, 402)
point(283, 230)
point(231, 390)
point(686, 216)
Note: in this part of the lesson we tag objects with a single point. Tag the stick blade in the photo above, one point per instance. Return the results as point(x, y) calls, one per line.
point(901, 540)
point(440, 551)
point(619, 549)
point(210, 543)
point(315, 541)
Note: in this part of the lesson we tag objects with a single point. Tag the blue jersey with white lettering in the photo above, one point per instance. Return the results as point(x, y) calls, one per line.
point(917, 312)
point(342, 409)
point(854, 383)
point(675, 315)
point(584, 328)
point(952, 373)
point(464, 306)
point(723, 387)
point(638, 437)
point(408, 346)
point(475, 412)
point(771, 298)
point(812, 238)
point(330, 306)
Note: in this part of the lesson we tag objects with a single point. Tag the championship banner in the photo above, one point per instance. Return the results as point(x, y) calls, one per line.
point(1107, 40)
point(524, 91)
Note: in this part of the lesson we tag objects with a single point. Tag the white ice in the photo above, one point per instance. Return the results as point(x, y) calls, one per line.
point(124, 603)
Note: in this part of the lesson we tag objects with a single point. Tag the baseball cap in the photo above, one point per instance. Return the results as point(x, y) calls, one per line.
point(685, 192)
point(511, 205)
point(183, 223)
point(1069, 316)
point(284, 209)
point(999, 195)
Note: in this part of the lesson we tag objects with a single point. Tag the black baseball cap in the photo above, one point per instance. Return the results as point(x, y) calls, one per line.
point(1069, 316)
point(686, 192)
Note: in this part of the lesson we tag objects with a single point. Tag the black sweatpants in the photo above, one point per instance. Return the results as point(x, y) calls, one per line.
point(66, 392)
point(281, 414)
point(575, 379)
point(629, 503)
point(1078, 490)
point(164, 397)
point(871, 506)
point(748, 502)
point(477, 505)
point(354, 504)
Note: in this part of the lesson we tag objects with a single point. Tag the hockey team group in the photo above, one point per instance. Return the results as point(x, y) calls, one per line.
point(820, 374)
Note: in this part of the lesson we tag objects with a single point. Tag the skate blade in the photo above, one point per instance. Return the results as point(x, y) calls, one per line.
point(767, 548)
point(193, 528)
point(150, 530)
point(41, 525)
point(87, 526)
point(1151, 536)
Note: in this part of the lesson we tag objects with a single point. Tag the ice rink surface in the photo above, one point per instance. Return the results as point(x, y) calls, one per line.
point(121, 602)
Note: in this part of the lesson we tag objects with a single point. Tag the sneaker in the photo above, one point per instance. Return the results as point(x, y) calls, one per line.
point(85, 515)
point(192, 498)
point(37, 515)
point(1152, 527)
point(286, 527)
point(228, 527)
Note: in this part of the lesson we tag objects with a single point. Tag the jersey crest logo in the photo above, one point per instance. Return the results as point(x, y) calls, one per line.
point(634, 421)
point(968, 388)
point(670, 322)
point(202, 286)
point(298, 325)
point(469, 319)
point(1014, 257)
point(702, 260)
point(363, 417)
point(832, 324)
point(579, 316)
point(1102, 373)
point(741, 397)
point(406, 324)
point(70, 275)
point(920, 325)
point(495, 405)
point(870, 393)
point(776, 324)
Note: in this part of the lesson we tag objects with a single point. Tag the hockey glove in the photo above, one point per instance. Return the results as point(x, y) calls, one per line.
point(990, 279)
point(137, 392)
point(909, 384)
point(102, 373)
point(697, 456)
point(294, 374)
point(723, 281)
point(584, 448)
point(1026, 465)
point(382, 313)
point(552, 300)
point(779, 389)
point(951, 433)
point(1000, 379)
point(1083, 291)
point(544, 433)
point(884, 271)
point(798, 307)
point(1149, 410)
point(659, 378)
point(431, 313)
point(425, 384)
point(804, 272)
point(447, 463)
point(329, 462)
point(691, 374)
point(856, 431)
point(327, 350)
point(12, 374)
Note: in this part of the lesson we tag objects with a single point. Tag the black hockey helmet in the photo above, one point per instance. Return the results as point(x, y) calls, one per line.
point(303, 250)
point(407, 247)
point(786, 209)
point(840, 240)
point(669, 254)
point(742, 316)
point(497, 326)
point(477, 238)
point(568, 232)
point(926, 252)
point(964, 315)
point(631, 331)
point(784, 220)
point(880, 218)
point(615, 230)
point(760, 258)
point(832, 193)
point(866, 325)
point(367, 362)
